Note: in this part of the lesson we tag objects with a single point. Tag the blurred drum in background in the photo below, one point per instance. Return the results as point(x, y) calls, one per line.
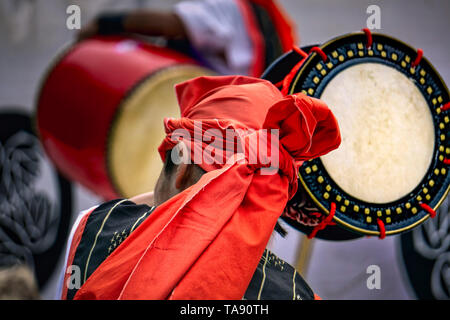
point(100, 112)
point(390, 173)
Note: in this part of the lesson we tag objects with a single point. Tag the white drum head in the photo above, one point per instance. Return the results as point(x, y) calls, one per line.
point(387, 133)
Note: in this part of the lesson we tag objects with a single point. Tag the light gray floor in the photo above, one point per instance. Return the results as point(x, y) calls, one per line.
point(31, 36)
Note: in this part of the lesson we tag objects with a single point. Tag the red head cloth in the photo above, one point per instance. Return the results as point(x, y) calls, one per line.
point(206, 242)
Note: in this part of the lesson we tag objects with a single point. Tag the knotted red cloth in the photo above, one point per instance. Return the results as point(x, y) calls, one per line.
point(206, 242)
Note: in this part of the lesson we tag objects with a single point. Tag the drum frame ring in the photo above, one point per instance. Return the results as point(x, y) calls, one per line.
point(141, 86)
point(314, 178)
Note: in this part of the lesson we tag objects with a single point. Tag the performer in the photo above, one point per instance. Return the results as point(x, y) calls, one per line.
point(202, 235)
point(228, 36)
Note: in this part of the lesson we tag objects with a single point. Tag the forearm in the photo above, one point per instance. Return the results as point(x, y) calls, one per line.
point(154, 23)
point(146, 22)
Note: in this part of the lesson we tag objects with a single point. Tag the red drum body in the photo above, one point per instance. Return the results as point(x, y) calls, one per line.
point(100, 112)
point(391, 171)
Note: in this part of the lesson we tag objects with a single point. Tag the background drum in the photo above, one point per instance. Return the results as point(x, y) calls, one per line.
point(391, 171)
point(100, 112)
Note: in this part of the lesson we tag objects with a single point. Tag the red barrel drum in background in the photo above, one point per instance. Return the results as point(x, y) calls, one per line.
point(100, 112)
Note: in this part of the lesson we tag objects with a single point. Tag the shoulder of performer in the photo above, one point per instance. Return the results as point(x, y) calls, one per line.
point(97, 232)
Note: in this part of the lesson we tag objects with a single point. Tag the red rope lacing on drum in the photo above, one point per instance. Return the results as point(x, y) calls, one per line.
point(320, 53)
point(381, 228)
point(445, 107)
point(369, 42)
point(416, 62)
point(428, 209)
point(368, 36)
point(278, 84)
point(286, 82)
point(325, 222)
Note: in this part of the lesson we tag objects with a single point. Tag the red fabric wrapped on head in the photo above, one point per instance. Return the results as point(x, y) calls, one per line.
point(242, 105)
point(206, 242)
